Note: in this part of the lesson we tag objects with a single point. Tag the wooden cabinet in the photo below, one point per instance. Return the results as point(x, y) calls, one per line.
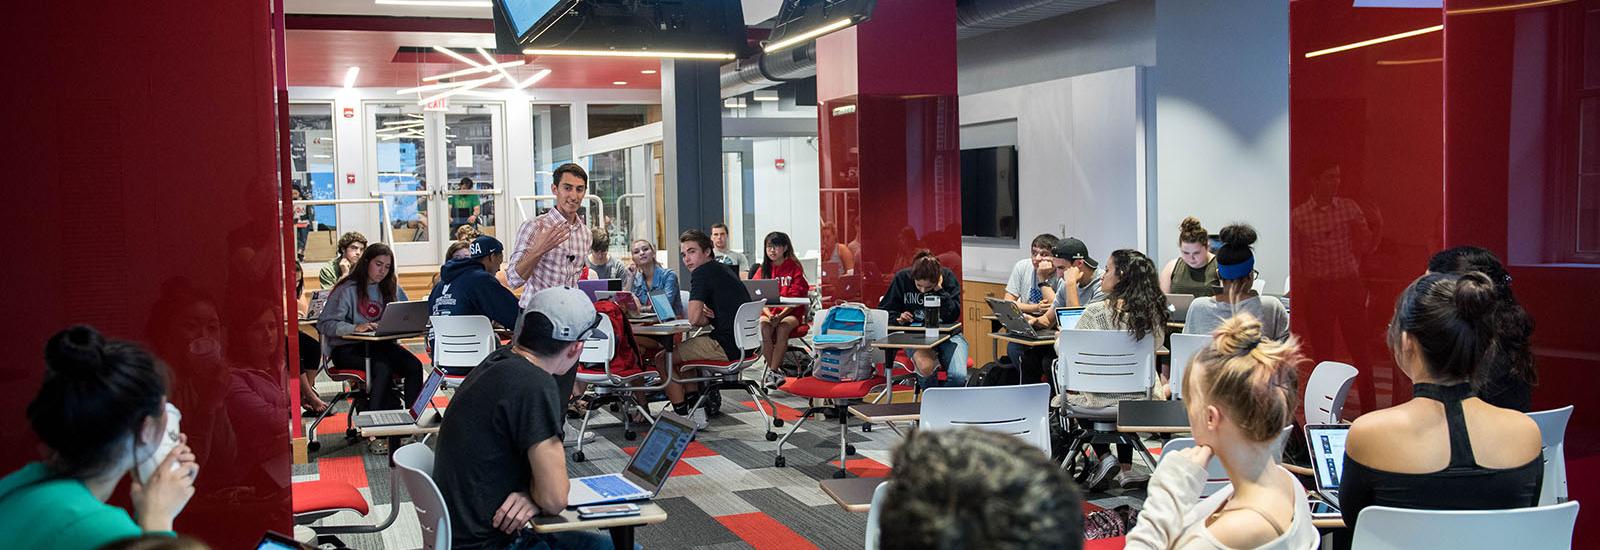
point(980, 347)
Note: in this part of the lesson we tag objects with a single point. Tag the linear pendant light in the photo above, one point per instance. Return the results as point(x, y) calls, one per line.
point(1375, 41)
point(632, 53)
point(808, 35)
point(482, 69)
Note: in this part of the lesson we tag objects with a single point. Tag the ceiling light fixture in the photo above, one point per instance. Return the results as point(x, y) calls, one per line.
point(1395, 62)
point(350, 76)
point(1509, 7)
point(502, 70)
point(619, 83)
point(475, 70)
point(443, 85)
point(532, 79)
point(633, 53)
point(648, 71)
point(1375, 41)
point(808, 35)
point(469, 86)
point(396, 124)
point(457, 56)
point(436, 3)
point(764, 95)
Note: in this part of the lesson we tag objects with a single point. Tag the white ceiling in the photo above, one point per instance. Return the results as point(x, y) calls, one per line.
point(755, 11)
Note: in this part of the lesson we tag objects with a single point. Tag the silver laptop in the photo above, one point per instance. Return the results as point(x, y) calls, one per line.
point(401, 318)
point(652, 463)
point(319, 300)
point(1327, 460)
point(369, 419)
point(1067, 317)
point(1017, 325)
point(1178, 305)
point(763, 289)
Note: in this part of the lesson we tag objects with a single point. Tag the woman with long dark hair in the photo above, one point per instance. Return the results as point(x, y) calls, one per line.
point(355, 305)
point(101, 411)
point(1508, 380)
point(779, 262)
point(1134, 303)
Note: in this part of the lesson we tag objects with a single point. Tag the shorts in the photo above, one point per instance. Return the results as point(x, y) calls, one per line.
point(700, 348)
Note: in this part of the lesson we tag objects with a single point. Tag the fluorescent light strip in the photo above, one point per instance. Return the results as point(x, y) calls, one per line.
point(1492, 9)
point(459, 57)
point(1374, 41)
point(436, 3)
point(632, 53)
point(471, 85)
point(399, 125)
point(350, 76)
point(443, 86)
point(532, 79)
point(1394, 62)
point(808, 35)
point(475, 70)
point(502, 70)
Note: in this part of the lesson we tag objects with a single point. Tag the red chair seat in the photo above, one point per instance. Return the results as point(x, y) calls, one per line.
point(338, 374)
point(326, 496)
point(800, 331)
point(817, 388)
point(621, 373)
point(721, 364)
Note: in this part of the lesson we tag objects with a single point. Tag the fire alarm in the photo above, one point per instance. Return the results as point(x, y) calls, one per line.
point(349, 112)
point(779, 163)
point(350, 178)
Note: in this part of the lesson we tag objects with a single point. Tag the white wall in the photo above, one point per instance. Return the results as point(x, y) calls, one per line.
point(787, 200)
point(1222, 123)
point(1119, 34)
point(1080, 150)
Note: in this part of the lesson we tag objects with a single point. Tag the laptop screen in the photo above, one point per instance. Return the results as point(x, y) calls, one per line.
point(1067, 317)
point(659, 453)
point(663, 307)
point(1327, 453)
point(428, 389)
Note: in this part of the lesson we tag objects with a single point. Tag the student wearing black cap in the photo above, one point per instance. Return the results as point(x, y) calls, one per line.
point(1080, 276)
point(467, 286)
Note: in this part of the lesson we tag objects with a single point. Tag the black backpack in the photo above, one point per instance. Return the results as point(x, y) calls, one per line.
point(996, 373)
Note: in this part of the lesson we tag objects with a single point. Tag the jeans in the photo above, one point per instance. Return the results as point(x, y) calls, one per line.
point(568, 540)
point(1015, 351)
point(953, 356)
point(389, 361)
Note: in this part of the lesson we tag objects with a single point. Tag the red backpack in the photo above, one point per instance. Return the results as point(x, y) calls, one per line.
point(626, 359)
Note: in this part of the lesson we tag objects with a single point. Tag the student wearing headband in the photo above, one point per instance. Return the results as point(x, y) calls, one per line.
point(1236, 273)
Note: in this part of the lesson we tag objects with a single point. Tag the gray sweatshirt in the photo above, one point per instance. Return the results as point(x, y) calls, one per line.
point(343, 312)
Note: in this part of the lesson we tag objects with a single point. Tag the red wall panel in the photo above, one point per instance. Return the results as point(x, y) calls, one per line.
point(144, 198)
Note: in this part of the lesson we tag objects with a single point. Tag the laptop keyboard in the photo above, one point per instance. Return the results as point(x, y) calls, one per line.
point(391, 417)
point(611, 486)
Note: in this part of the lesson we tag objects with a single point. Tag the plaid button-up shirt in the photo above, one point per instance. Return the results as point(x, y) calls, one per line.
point(560, 266)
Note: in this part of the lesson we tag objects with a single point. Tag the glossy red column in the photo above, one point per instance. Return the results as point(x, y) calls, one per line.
point(145, 199)
point(891, 168)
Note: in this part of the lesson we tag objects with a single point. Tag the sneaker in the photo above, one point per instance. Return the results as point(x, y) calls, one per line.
point(378, 446)
point(572, 441)
point(698, 417)
point(1102, 473)
point(1133, 478)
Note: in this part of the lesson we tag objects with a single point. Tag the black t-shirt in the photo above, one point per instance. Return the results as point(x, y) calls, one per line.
point(721, 290)
point(503, 408)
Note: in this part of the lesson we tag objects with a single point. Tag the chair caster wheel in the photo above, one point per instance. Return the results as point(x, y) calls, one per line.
point(779, 462)
point(352, 435)
point(614, 407)
point(577, 456)
point(313, 446)
point(772, 436)
point(839, 474)
point(630, 436)
point(866, 427)
point(850, 449)
point(777, 422)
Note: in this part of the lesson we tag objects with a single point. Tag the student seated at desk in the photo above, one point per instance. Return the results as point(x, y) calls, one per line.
point(467, 286)
point(1194, 271)
point(500, 459)
point(355, 305)
point(351, 245)
point(646, 277)
point(310, 351)
point(715, 295)
point(1133, 303)
point(1236, 273)
point(926, 277)
point(1239, 393)
point(1032, 285)
point(1445, 449)
point(780, 263)
point(601, 264)
point(1508, 380)
point(734, 259)
point(457, 250)
point(101, 409)
point(971, 488)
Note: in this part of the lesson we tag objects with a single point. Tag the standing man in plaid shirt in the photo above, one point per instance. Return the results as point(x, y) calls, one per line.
point(550, 249)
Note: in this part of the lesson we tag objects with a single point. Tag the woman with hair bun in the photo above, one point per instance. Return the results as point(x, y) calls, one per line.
point(1236, 274)
point(1194, 271)
point(101, 410)
point(1507, 381)
point(1446, 449)
point(1239, 393)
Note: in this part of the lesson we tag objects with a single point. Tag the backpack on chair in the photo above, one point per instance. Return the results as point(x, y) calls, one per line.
point(844, 353)
point(627, 356)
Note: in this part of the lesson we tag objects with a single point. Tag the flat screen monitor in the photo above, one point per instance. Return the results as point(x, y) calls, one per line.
point(697, 26)
point(524, 16)
point(796, 17)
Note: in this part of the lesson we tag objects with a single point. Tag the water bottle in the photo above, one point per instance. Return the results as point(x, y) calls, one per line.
point(930, 316)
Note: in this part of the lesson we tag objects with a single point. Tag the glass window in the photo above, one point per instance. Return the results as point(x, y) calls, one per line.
point(311, 153)
point(469, 157)
point(621, 179)
point(610, 119)
point(402, 167)
point(552, 143)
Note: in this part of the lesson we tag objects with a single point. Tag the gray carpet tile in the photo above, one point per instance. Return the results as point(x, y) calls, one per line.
point(687, 526)
point(827, 526)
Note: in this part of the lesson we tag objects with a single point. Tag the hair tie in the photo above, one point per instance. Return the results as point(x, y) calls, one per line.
point(1247, 348)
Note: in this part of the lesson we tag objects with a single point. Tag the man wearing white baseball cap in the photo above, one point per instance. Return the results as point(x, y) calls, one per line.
point(500, 459)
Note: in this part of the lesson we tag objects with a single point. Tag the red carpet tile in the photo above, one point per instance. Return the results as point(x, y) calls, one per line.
point(785, 412)
point(864, 467)
point(349, 469)
point(441, 401)
point(762, 532)
point(334, 424)
point(683, 468)
point(1106, 544)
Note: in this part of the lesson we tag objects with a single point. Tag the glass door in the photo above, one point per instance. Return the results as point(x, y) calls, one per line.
point(459, 150)
point(472, 138)
point(398, 158)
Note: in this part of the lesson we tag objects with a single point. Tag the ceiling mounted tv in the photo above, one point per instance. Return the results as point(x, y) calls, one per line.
point(712, 29)
point(800, 21)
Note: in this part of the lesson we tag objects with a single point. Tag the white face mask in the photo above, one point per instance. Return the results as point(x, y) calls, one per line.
point(168, 441)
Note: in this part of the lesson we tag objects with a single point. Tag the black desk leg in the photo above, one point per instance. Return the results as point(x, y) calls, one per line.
point(622, 537)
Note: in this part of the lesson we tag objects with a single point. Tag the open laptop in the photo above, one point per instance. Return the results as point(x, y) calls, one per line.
point(1327, 460)
point(763, 289)
point(1178, 304)
point(369, 419)
point(1067, 317)
point(664, 312)
point(1017, 325)
point(401, 318)
point(591, 287)
point(319, 300)
point(652, 463)
point(624, 299)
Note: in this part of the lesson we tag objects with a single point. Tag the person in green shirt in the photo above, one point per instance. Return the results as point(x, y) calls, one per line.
point(351, 245)
point(101, 410)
